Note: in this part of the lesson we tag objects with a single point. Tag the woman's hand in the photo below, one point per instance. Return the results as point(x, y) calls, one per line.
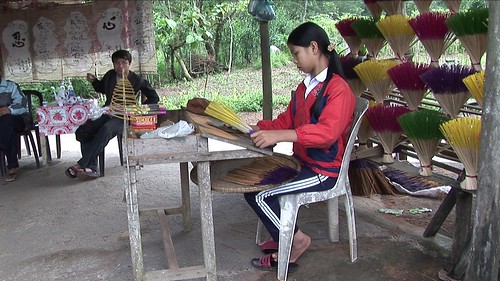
point(266, 138)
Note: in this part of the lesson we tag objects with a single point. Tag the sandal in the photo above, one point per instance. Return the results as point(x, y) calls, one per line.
point(11, 177)
point(87, 174)
point(72, 172)
point(269, 247)
point(270, 263)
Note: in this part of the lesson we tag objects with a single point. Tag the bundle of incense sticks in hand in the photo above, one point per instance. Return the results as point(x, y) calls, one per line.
point(265, 170)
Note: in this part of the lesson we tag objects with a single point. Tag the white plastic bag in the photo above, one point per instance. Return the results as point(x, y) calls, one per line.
point(179, 129)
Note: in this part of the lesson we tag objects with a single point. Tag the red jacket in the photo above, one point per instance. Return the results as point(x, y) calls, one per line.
point(320, 143)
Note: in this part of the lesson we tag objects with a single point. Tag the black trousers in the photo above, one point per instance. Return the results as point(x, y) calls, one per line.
point(92, 146)
point(10, 127)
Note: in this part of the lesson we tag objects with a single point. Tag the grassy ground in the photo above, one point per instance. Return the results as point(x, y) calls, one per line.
point(241, 87)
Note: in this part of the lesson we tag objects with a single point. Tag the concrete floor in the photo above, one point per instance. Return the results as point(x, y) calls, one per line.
point(56, 228)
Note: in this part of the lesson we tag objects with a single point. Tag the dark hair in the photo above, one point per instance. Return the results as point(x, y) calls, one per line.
point(307, 32)
point(302, 36)
point(121, 54)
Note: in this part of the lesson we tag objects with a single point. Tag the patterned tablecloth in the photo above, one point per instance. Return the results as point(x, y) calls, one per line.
point(56, 120)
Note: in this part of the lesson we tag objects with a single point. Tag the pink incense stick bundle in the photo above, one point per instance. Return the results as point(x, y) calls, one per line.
point(349, 35)
point(384, 121)
point(373, 7)
point(447, 86)
point(348, 63)
point(406, 77)
point(431, 29)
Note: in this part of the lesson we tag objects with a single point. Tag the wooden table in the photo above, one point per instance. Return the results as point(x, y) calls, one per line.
point(191, 148)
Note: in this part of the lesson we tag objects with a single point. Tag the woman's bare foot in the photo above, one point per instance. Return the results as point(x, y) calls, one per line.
point(300, 244)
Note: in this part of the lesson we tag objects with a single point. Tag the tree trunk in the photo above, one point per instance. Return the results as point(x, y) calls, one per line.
point(184, 69)
point(484, 263)
point(172, 66)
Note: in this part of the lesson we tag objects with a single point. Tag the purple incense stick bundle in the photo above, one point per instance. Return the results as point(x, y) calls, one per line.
point(447, 86)
point(406, 77)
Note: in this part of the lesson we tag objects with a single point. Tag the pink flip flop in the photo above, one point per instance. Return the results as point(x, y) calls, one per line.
point(270, 263)
point(269, 247)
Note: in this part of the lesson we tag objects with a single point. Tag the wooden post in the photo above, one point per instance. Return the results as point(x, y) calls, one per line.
point(267, 88)
point(485, 255)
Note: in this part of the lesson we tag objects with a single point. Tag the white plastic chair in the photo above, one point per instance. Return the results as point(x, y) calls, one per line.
point(291, 203)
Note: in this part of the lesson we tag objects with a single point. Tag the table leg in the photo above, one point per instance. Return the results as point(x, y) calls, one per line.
point(45, 155)
point(134, 227)
point(186, 199)
point(207, 222)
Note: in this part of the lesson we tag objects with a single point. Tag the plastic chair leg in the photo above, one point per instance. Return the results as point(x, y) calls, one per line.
point(333, 219)
point(288, 217)
point(58, 146)
point(351, 227)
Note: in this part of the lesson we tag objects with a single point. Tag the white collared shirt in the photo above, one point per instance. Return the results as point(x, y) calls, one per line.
point(311, 82)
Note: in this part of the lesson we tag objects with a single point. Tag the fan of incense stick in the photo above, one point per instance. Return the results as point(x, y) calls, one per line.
point(447, 86)
point(365, 131)
point(267, 170)
point(391, 7)
point(463, 134)
point(373, 7)
point(383, 119)
point(471, 28)
point(453, 5)
point(370, 35)
point(432, 31)
point(406, 77)
point(422, 129)
point(475, 84)
point(398, 33)
point(348, 63)
point(374, 75)
point(224, 113)
point(349, 35)
point(423, 5)
point(123, 100)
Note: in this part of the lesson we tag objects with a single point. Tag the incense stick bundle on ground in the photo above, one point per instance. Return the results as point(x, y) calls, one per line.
point(475, 84)
point(374, 75)
point(447, 86)
point(463, 134)
point(453, 5)
point(123, 99)
point(370, 35)
point(349, 35)
point(348, 63)
point(398, 32)
point(391, 7)
point(383, 119)
point(367, 179)
point(373, 7)
point(224, 113)
point(471, 28)
point(265, 170)
point(422, 5)
point(435, 35)
point(406, 77)
point(422, 129)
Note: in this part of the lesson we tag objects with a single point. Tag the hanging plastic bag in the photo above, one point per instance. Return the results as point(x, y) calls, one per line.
point(262, 10)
